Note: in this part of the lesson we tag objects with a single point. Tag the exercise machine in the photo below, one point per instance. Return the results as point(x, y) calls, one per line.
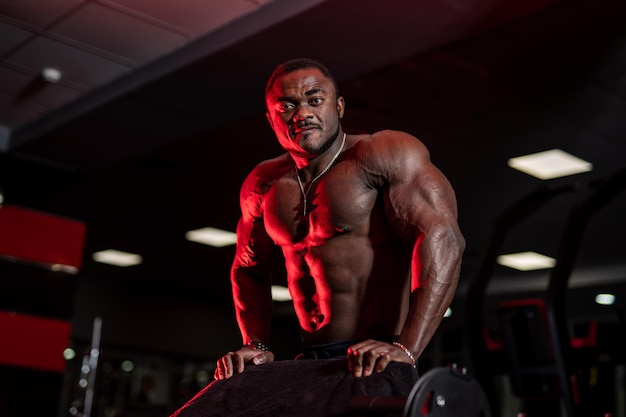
point(440, 392)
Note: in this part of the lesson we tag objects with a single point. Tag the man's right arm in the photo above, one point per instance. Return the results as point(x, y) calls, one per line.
point(251, 284)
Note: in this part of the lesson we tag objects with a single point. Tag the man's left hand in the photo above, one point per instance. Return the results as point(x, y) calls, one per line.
point(373, 356)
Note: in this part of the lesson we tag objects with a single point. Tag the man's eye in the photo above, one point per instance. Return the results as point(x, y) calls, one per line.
point(317, 100)
point(285, 107)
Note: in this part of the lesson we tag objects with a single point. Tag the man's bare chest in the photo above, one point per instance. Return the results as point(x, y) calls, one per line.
point(336, 204)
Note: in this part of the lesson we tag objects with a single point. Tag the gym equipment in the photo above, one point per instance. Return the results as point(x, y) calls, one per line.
point(536, 340)
point(440, 392)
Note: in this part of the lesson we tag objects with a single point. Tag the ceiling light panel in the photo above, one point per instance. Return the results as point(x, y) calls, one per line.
point(212, 236)
point(550, 164)
point(605, 299)
point(280, 293)
point(117, 258)
point(526, 261)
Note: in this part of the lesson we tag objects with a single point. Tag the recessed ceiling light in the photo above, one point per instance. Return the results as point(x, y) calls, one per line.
point(51, 75)
point(526, 261)
point(605, 299)
point(212, 237)
point(280, 293)
point(550, 164)
point(117, 258)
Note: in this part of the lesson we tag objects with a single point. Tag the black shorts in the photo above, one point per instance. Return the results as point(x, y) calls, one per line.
point(336, 349)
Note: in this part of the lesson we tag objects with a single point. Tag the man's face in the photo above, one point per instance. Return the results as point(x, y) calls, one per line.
point(304, 111)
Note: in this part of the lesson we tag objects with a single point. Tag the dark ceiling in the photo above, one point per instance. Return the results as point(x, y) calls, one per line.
point(163, 148)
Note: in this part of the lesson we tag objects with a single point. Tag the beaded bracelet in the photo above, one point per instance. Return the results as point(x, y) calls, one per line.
point(407, 351)
point(258, 345)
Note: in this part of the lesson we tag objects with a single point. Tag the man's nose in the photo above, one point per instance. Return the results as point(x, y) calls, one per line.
point(301, 114)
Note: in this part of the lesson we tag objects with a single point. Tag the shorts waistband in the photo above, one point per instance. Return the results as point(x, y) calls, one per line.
point(336, 349)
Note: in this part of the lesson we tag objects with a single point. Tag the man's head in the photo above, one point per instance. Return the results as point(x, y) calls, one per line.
point(298, 64)
point(303, 107)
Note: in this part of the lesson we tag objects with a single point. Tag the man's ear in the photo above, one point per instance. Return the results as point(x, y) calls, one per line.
point(341, 106)
point(269, 119)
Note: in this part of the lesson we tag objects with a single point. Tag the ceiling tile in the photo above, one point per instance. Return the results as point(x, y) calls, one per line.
point(14, 116)
point(52, 96)
point(113, 31)
point(36, 12)
point(11, 37)
point(30, 96)
point(196, 16)
point(76, 66)
point(13, 81)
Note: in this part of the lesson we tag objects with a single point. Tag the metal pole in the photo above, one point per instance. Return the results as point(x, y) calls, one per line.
point(94, 354)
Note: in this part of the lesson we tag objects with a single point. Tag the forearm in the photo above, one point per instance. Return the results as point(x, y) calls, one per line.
point(253, 304)
point(436, 270)
point(252, 296)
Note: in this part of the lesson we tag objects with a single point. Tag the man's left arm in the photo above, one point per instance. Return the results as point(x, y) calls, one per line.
point(423, 206)
point(436, 263)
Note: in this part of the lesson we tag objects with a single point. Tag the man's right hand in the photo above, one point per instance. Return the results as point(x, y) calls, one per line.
point(234, 362)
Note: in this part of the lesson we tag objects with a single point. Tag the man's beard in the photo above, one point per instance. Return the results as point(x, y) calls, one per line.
point(329, 142)
point(325, 146)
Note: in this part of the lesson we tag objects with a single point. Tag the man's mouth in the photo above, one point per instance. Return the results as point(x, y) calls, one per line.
point(303, 129)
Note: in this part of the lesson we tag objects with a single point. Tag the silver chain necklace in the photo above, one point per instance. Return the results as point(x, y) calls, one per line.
point(305, 194)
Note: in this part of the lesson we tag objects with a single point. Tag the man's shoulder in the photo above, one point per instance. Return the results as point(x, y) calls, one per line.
point(268, 171)
point(390, 154)
point(388, 135)
point(273, 166)
point(390, 143)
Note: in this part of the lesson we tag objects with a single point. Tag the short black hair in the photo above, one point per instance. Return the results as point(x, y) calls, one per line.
point(298, 64)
